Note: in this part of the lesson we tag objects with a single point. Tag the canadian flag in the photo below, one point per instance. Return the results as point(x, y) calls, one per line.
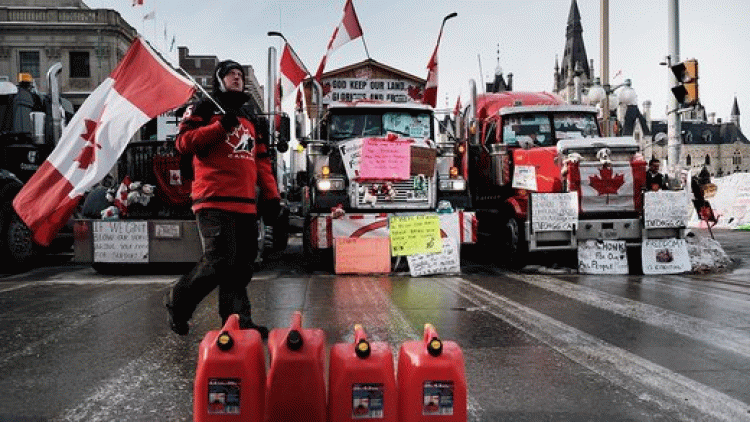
point(431, 87)
point(140, 88)
point(292, 71)
point(349, 29)
point(457, 109)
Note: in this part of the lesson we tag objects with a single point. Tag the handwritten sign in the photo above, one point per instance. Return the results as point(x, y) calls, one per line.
point(351, 154)
point(385, 159)
point(603, 257)
point(446, 262)
point(554, 211)
point(524, 177)
point(362, 255)
point(423, 161)
point(120, 241)
point(665, 256)
point(665, 209)
point(415, 234)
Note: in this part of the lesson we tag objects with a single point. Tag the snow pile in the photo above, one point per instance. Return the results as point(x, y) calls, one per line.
point(706, 254)
point(730, 202)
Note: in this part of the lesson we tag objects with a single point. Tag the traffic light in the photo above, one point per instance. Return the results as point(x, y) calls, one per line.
point(687, 77)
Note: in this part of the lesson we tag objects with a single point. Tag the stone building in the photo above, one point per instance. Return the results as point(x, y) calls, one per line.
point(35, 34)
point(576, 74)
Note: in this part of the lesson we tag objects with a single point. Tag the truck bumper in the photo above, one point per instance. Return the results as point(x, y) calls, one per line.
point(460, 225)
point(136, 241)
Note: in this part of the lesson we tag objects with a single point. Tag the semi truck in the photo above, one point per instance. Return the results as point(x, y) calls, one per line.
point(532, 148)
point(30, 127)
point(374, 160)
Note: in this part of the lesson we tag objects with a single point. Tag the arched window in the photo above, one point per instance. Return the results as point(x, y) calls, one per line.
point(688, 160)
point(707, 136)
point(708, 160)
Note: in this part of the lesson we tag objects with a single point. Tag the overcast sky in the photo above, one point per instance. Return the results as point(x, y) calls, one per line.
point(530, 35)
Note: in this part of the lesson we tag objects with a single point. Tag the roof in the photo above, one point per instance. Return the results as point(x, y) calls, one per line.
point(375, 64)
point(633, 115)
point(697, 132)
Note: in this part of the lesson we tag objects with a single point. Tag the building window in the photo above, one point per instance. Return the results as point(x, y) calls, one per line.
point(708, 160)
point(29, 62)
point(79, 64)
point(688, 160)
point(707, 137)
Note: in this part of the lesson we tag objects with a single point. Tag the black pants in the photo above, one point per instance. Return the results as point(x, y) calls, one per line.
point(230, 244)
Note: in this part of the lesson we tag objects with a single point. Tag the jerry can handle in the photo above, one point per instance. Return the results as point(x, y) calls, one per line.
point(361, 345)
point(432, 341)
point(232, 324)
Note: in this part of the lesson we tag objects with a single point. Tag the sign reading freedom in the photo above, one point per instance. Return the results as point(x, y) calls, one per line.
point(415, 234)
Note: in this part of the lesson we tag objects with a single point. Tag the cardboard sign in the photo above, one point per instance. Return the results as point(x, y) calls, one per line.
point(422, 161)
point(415, 234)
point(446, 262)
point(605, 257)
point(665, 209)
point(524, 177)
point(665, 256)
point(362, 256)
point(351, 155)
point(385, 159)
point(120, 241)
point(554, 211)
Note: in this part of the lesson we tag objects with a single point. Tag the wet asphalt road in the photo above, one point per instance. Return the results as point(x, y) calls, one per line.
point(80, 346)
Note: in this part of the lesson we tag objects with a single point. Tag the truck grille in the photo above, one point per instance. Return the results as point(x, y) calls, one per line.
point(406, 196)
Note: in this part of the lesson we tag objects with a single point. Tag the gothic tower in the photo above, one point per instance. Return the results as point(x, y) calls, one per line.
point(574, 58)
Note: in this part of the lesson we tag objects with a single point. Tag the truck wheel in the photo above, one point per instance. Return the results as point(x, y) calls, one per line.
point(514, 243)
point(18, 242)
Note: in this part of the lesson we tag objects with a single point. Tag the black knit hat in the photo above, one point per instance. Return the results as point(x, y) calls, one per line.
point(221, 71)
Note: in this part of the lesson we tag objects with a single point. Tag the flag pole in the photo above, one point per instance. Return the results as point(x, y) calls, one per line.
point(363, 32)
point(209, 96)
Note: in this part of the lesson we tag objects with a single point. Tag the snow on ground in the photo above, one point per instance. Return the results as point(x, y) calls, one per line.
point(730, 202)
point(706, 254)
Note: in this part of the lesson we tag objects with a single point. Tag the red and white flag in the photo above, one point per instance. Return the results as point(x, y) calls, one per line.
point(431, 87)
point(457, 109)
point(137, 2)
point(349, 29)
point(140, 88)
point(292, 72)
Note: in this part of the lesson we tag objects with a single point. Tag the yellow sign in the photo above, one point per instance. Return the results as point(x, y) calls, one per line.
point(415, 234)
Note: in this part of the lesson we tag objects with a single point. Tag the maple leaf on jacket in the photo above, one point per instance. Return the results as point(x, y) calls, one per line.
point(606, 183)
point(87, 156)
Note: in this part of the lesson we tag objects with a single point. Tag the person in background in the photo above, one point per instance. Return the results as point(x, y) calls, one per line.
point(654, 179)
point(230, 158)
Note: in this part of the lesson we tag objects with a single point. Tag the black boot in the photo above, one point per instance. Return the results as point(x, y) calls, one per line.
point(180, 327)
point(246, 323)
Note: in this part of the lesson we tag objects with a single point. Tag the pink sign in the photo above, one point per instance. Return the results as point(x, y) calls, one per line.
point(383, 158)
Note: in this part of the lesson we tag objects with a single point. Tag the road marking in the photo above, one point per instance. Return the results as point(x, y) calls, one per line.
point(727, 338)
point(673, 392)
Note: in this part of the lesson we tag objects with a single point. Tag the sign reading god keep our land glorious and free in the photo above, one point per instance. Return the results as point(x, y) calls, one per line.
point(665, 256)
point(602, 257)
point(415, 234)
point(665, 208)
point(120, 241)
point(446, 262)
point(353, 89)
point(554, 211)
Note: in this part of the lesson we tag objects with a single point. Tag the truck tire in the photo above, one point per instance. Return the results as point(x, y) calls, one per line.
point(513, 241)
point(16, 243)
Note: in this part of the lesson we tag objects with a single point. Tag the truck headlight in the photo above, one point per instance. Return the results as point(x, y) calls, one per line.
point(330, 184)
point(457, 184)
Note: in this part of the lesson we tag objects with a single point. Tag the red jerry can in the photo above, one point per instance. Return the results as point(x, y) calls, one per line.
point(361, 381)
point(230, 376)
point(431, 380)
point(296, 387)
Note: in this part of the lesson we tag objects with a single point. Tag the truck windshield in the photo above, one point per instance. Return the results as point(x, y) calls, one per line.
point(403, 123)
point(545, 129)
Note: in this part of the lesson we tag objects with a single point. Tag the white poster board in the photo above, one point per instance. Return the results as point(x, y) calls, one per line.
point(351, 155)
point(602, 257)
point(554, 211)
point(120, 241)
point(524, 177)
point(446, 262)
point(665, 256)
point(662, 209)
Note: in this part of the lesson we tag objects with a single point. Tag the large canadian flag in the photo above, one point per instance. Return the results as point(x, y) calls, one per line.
point(349, 29)
point(291, 70)
point(140, 88)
